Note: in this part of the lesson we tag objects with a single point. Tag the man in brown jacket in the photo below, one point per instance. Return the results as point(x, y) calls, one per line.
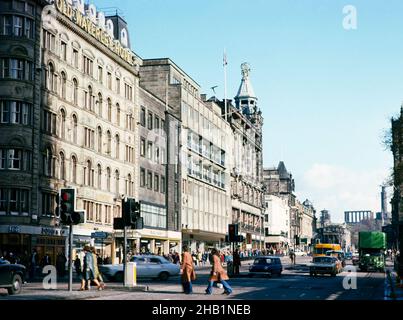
point(218, 274)
point(188, 273)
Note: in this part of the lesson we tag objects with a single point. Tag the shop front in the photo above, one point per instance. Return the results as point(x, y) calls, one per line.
point(21, 240)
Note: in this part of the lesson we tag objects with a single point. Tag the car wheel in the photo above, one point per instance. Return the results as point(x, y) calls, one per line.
point(163, 276)
point(16, 285)
point(119, 277)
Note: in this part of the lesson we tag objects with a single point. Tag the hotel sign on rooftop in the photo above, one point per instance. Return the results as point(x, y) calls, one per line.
point(94, 24)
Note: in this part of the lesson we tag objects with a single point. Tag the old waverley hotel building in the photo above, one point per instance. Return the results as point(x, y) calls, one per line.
point(78, 108)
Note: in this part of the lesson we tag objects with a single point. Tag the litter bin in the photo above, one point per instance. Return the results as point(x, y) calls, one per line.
point(230, 268)
point(131, 274)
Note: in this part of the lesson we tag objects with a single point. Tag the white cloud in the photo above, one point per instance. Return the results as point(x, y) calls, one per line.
point(339, 189)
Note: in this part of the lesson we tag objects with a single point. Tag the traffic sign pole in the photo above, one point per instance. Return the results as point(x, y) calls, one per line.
point(124, 255)
point(71, 258)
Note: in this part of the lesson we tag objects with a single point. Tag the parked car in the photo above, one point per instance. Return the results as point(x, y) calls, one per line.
point(325, 265)
point(11, 276)
point(300, 253)
point(147, 266)
point(266, 265)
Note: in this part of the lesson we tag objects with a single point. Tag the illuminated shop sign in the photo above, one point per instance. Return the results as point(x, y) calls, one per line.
point(94, 24)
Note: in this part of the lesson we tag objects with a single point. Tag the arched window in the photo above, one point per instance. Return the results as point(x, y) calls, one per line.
point(89, 174)
point(109, 110)
point(99, 174)
point(63, 85)
point(48, 162)
point(117, 141)
point(75, 125)
point(117, 114)
point(109, 145)
point(99, 139)
point(74, 169)
point(129, 188)
point(108, 179)
point(100, 102)
point(62, 124)
point(90, 99)
point(50, 77)
point(117, 181)
point(75, 91)
point(62, 167)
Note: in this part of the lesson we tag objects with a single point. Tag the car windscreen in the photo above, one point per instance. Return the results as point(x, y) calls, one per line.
point(323, 260)
point(262, 261)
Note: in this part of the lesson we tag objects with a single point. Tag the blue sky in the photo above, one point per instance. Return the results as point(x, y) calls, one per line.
point(327, 94)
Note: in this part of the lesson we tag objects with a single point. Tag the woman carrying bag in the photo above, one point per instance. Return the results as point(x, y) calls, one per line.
point(218, 274)
point(188, 272)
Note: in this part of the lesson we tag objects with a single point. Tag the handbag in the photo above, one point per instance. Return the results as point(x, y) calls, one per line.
point(193, 275)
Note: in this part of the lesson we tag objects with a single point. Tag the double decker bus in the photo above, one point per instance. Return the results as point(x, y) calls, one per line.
point(320, 249)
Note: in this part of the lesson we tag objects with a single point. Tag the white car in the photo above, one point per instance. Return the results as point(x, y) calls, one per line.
point(300, 253)
point(147, 266)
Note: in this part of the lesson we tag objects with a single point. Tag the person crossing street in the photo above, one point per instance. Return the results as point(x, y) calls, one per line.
point(218, 274)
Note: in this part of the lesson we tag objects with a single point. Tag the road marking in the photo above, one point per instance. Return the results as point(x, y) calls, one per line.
point(302, 294)
point(334, 296)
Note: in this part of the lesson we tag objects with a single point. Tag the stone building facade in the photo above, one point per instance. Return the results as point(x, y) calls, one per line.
point(71, 104)
point(247, 199)
point(202, 184)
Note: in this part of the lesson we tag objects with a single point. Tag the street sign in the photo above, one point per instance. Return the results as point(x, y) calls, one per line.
point(99, 235)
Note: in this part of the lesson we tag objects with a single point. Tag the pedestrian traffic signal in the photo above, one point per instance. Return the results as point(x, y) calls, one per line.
point(232, 232)
point(67, 204)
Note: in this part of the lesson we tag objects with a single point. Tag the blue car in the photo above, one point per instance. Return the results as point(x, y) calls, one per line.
point(266, 265)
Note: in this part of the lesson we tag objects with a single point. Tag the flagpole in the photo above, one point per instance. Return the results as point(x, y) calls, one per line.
point(225, 85)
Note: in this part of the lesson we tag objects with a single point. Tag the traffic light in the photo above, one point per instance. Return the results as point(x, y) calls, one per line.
point(297, 242)
point(77, 217)
point(118, 224)
point(131, 211)
point(67, 204)
point(232, 232)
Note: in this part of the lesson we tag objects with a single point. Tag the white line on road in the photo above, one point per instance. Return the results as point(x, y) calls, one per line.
point(302, 294)
point(334, 296)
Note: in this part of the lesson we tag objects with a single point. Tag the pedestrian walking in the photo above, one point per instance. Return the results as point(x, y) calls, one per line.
point(61, 264)
point(218, 274)
point(77, 265)
point(46, 260)
point(188, 272)
point(88, 273)
point(97, 274)
point(236, 262)
point(33, 263)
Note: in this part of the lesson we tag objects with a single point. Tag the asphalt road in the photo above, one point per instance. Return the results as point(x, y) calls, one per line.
point(294, 284)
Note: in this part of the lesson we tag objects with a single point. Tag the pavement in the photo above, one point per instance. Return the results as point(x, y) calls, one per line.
point(294, 284)
point(393, 291)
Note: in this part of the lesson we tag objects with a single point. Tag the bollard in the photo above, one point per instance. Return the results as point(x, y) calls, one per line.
point(131, 275)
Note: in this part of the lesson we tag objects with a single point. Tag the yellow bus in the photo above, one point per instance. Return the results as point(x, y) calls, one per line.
point(320, 249)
